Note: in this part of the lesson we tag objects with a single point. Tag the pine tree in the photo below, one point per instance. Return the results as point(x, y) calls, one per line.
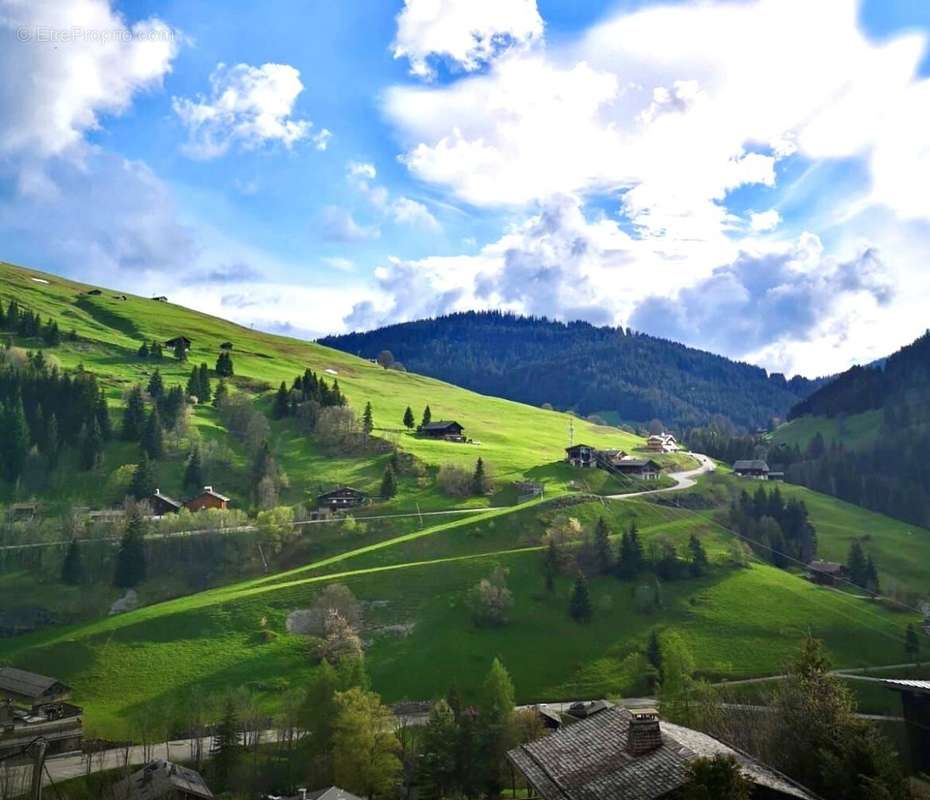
point(368, 424)
point(156, 387)
point(580, 606)
point(281, 402)
point(180, 350)
point(130, 559)
point(72, 568)
point(479, 481)
point(193, 472)
point(857, 565)
point(102, 415)
point(193, 383)
point(437, 770)
point(496, 707)
point(227, 746)
point(871, 576)
point(222, 392)
point(698, 564)
point(630, 557)
point(205, 389)
point(224, 364)
point(91, 446)
point(14, 439)
point(153, 438)
point(427, 417)
point(409, 421)
point(133, 416)
point(654, 650)
point(143, 351)
point(388, 484)
point(144, 480)
point(911, 643)
point(156, 351)
point(51, 442)
point(602, 554)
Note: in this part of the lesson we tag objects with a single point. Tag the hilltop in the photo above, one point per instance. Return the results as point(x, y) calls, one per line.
point(615, 373)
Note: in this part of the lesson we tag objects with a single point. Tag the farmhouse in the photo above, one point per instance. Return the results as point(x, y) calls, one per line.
point(33, 706)
point(343, 497)
point(752, 468)
point(163, 780)
point(825, 573)
point(915, 703)
point(662, 443)
point(208, 498)
point(644, 468)
point(581, 455)
point(160, 299)
point(182, 340)
point(620, 754)
point(162, 504)
point(19, 512)
point(449, 430)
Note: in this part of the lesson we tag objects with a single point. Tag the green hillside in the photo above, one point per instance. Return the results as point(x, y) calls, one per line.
point(515, 440)
point(853, 431)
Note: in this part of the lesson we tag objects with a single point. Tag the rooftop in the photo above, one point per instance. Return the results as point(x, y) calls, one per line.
point(162, 779)
point(751, 464)
point(27, 684)
point(440, 424)
point(590, 761)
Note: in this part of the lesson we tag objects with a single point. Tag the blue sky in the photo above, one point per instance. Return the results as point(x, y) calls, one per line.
point(744, 176)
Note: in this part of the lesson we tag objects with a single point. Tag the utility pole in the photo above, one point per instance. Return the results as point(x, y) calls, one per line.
point(38, 763)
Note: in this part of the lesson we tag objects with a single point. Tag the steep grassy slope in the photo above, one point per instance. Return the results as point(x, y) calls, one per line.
point(515, 440)
point(854, 431)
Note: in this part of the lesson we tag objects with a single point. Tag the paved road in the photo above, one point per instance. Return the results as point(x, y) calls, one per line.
point(852, 673)
point(683, 480)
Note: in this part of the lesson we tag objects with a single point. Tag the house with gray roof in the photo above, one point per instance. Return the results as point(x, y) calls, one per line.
point(163, 780)
point(752, 468)
point(632, 755)
point(21, 686)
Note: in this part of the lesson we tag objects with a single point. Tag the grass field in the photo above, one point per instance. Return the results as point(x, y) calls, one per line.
point(857, 430)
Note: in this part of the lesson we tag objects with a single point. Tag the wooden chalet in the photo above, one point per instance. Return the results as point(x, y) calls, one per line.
point(582, 456)
point(622, 755)
point(343, 497)
point(163, 780)
point(329, 793)
point(752, 468)
point(643, 468)
point(161, 504)
point(20, 686)
point(208, 498)
point(826, 573)
point(21, 512)
point(172, 343)
point(915, 704)
point(662, 443)
point(160, 298)
point(450, 430)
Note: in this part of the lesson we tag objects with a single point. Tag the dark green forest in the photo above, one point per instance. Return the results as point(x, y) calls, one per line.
point(581, 367)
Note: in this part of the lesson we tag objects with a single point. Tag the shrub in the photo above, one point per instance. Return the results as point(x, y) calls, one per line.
point(454, 481)
point(490, 600)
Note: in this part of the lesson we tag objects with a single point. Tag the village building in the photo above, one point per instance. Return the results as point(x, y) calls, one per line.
point(160, 299)
point(208, 498)
point(915, 704)
point(581, 455)
point(450, 430)
point(22, 512)
point(826, 573)
point(585, 710)
point(662, 443)
point(643, 468)
point(34, 706)
point(161, 504)
point(752, 468)
point(550, 718)
point(163, 780)
point(343, 497)
point(183, 340)
point(329, 793)
point(619, 755)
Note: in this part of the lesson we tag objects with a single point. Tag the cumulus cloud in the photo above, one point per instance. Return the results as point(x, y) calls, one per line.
point(247, 107)
point(402, 210)
point(764, 220)
point(406, 211)
point(338, 225)
point(57, 88)
point(466, 33)
point(236, 272)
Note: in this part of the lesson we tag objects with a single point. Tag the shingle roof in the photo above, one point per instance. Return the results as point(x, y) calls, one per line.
point(751, 464)
point(332, 793)
point(589, 761)
point(208, 490)
point(159, 779)
point(439, 425)
point(170, 500)
point(26, 684)
point(828, 567)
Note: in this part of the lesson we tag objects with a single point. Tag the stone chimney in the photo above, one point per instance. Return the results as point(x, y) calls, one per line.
point(644, 734)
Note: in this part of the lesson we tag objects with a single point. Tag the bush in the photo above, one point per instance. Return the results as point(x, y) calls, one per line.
point(490, 600)
point(454, 481)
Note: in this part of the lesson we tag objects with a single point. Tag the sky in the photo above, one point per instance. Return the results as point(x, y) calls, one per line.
point(748, 177)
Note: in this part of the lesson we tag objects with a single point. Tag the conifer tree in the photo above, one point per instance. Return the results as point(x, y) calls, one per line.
point(698, 564)
point(427, 417)
point(479, 481)
point(180, 350)
point(437, 770)
point(91, 446)
point(409, 421)
point(156, 351)
point(388, 484)
point(130, 559)
point(193, 472)
point(143, 351)
point(52, 442)
point(133, 416)
point(580, 605)
point(224, 364)
point(602, 555)
point(102, 415)
point(144, 480)
point(204, 387)
point(193, 383)
point(72, 568)
point(227, 746)
point(281, 402)
point(368, 424)
point(153, 438)
point(14, 438)
point(871, 576)
point(156, 387)
point(857, 565)
point(222, 392)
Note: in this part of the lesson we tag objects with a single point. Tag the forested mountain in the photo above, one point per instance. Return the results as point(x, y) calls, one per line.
point(589, 369)
point(889, 475)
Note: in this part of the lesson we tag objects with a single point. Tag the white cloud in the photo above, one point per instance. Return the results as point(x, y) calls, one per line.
point(402, 210)
point(68, 63)
point(321, 139)
point(248, 107)
point(764, 220)
point(468, 33)
point(405, 211)
point(338, 225)
point(361, 170)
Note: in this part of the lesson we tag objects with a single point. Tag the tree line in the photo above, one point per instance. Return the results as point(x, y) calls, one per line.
point(779, 532)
